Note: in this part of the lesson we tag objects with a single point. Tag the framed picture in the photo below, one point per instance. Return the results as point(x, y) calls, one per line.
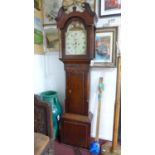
point(51, 38)
point(105, 50)
point(38, 4)
point(109, 8)
point(50, 11)
point(38, 32)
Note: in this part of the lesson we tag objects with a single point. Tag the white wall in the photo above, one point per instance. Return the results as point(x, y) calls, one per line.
point(49, 74)
point(39, 73)
point(107, 104)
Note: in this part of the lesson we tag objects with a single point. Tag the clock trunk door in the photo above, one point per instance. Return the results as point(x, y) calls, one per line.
point(76, 101)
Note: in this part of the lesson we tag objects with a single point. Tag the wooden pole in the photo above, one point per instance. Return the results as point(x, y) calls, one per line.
point(117, 105)
point(98, 120)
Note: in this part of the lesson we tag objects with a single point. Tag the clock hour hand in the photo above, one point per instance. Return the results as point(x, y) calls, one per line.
point(75, 43)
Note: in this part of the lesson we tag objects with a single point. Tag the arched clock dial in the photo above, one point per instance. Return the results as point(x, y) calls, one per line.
point(76, 39)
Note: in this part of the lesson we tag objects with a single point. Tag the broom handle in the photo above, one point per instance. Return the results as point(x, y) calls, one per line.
point(98, 119)
point(100, 89)
point(117, 105)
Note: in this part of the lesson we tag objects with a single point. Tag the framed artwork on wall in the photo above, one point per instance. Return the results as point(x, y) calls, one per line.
point(38, 32)
point(105, 50)
point(109, 8)
point(50, 11)
point(51, 38)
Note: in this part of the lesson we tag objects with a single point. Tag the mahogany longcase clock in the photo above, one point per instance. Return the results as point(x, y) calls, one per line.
point(77, 30)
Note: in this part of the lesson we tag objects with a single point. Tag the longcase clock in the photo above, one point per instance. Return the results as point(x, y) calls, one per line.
point(77, 30)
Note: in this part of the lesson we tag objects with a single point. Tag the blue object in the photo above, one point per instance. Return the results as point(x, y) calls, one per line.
point(94, 148)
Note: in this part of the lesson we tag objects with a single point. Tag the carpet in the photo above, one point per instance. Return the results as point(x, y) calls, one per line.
point(63, 149)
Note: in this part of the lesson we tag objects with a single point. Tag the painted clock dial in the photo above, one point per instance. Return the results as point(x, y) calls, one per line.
point(75, 39)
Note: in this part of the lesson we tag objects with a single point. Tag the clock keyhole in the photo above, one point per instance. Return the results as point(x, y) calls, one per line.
point(70, 91)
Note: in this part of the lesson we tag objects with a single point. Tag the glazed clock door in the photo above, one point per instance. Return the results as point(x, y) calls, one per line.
point(76, 92)
point(75, 39)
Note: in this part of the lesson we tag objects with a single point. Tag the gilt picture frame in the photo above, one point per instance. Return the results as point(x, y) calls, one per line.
point(109, 8)
point(51, 39)
point(105, 47)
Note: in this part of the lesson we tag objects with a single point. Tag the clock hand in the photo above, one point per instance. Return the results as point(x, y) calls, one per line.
point(75, 46)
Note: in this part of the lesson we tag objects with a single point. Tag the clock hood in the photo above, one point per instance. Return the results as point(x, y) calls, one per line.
point(87, 15)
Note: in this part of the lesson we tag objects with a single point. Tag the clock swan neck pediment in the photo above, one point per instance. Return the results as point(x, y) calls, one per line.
point(87, 15)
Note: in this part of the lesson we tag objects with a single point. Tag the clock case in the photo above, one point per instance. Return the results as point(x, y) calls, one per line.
point(75, 123)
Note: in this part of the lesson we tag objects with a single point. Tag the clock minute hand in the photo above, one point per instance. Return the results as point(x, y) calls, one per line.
point(75, 43)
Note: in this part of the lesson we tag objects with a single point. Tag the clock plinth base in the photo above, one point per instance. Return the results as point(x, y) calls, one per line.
point(75, 129)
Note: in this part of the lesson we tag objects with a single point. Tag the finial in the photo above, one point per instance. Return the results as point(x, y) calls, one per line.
point(74, 8)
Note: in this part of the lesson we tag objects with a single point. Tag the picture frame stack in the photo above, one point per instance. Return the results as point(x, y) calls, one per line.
point(51, 34)
point(107, 35)
point(38, 28)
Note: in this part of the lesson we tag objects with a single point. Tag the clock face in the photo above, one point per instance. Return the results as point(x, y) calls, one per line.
point(75, 39)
